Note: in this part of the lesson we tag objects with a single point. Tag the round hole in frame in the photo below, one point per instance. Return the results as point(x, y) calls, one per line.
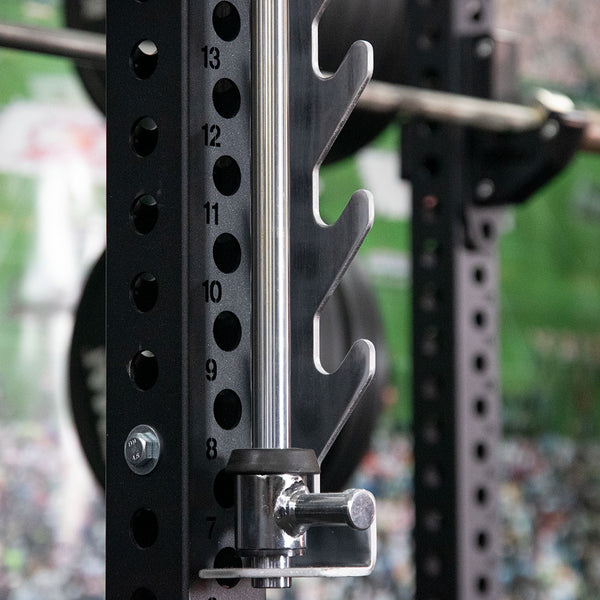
point(429, 300)
point(227, 176)
point(431, 207)
point(227, 409)
point(143, 370)
point(432, 566)
point(144, 136)
point(480, 318)
point(483, 585)
point(432, 478)
point(430, 343)
point(227, 331)
point(480, 363)
point(144, 213)
point(481, 495)
point(144, 58)
point(479, 275)
point(430, 253)
point(430, 389)
point(227, 253)
point(224, 489)
point(432, 430)
point(480, 407)
point(144, 292)
point(226, 98)
point(432, 520)
point(480, 451)
point(143, 594)
point(428, 39)
point(226, 21)
point(482, 540)
point(144, 527)
point(227, 559)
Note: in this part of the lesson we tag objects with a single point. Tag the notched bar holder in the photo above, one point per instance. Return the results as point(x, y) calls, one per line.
point(292, 476)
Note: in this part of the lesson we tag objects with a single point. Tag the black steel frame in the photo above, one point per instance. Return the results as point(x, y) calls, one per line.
point(163, 568)
point(162, 528)
point(456, 412)
point(461, 179)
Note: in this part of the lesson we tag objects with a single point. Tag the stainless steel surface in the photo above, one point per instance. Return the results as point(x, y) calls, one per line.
point(321, 253)
point(270, 563)
point(274, 513)
point(271, 282)
point(259, 498)
point(299, 510)
point(359, 565)
point(270, 219)
point(142, 449)
point(70, 43)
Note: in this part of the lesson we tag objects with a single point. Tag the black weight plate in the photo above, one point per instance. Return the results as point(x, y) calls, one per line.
point(380, 22)
point(87, 370)
point(351, 313)
point(89, 15)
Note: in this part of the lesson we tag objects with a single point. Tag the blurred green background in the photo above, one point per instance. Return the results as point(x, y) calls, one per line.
point(550, 298)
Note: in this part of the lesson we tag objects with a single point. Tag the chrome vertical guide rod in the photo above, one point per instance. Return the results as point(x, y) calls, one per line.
point(270, 234)
point(270, 230)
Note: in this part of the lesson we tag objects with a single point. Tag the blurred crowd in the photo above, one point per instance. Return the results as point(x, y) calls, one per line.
point(50, 549)
point(550, 508)
point(558, 44)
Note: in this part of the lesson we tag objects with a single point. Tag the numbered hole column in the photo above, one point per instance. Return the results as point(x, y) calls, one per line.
point(223, 284)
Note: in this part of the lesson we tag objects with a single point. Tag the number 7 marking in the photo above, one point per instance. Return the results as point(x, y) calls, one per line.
point(211, 526)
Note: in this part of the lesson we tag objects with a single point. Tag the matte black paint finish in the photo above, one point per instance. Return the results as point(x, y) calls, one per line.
point(162, 252)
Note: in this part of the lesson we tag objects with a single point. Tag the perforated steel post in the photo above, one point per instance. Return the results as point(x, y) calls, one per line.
point(178, 171)
point(456, 399)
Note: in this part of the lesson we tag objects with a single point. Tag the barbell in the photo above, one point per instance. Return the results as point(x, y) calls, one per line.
point(385, 98)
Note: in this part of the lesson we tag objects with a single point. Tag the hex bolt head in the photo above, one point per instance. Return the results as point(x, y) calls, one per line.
point(550, 130)
point(485, 189)
point(484, 48)
point(142, 449)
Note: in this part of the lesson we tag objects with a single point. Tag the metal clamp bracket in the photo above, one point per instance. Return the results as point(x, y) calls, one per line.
point(363, 544)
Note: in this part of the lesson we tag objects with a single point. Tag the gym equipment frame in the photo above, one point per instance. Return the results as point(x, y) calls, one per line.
point(206, 144)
